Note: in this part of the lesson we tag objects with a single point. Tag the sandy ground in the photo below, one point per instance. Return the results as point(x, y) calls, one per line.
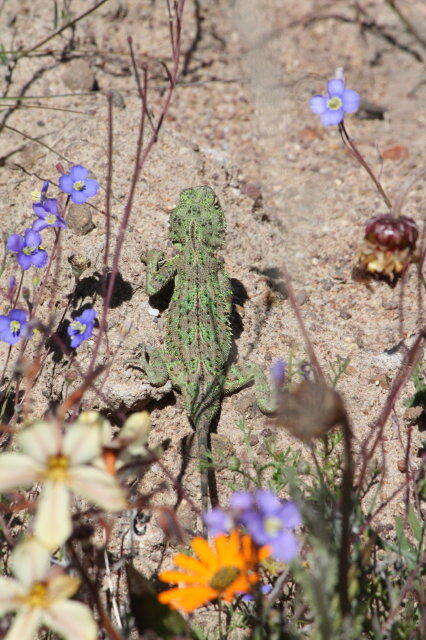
point(240, 123)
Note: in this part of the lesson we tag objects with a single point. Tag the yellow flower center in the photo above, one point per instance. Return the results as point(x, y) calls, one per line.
point(28, 250)
point(50, 219)
point(57, 468)
point(14, 326)
point(334, 103)
point(36, 597)
point(78, 326)
point(272, 525)
point(224, 577)
point(79, 185)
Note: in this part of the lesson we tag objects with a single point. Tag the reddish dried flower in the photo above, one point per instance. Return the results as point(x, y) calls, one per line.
point(392, 233)
point(388, 244)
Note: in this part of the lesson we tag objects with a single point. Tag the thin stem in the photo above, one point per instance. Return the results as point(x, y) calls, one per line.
point(357, 155)
point(346, 497)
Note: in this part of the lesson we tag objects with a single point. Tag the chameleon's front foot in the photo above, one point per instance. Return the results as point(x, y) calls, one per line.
point(241, 376)
point(152, 364)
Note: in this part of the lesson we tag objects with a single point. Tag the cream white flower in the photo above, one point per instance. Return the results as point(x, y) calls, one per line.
point(129, 445)
point(40, 597)
point(63, 464)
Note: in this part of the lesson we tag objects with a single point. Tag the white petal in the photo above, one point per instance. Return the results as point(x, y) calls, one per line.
point(30, 561)
point(62, 586)
point(53, 518)
point(72, 620)
point(98, 487)
point(17, 470)
point(25, 625)
point(9, 589)
point(41, 440)
point(82, 443)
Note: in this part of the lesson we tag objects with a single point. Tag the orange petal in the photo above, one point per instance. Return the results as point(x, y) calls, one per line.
point(264, 552)
point(191, 565)
point(179, 577)
point(203, 551)
point(187, 598)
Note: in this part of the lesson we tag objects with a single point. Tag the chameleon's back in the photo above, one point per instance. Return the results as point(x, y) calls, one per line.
point(199, 335)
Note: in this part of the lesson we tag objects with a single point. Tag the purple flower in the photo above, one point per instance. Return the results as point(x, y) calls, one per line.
point(217, 521)
point(264, 590)
point(278, 372)
point(14, 326)
point(28, 248)
point(78, 185)
point(338, 101)
point(81, 328)
point(47, 214)
point(271, 521)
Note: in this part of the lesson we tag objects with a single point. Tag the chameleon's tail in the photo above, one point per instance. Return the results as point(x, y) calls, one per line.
point(202, 436)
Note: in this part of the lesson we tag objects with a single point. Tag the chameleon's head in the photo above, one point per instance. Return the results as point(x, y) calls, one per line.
point(198, 217)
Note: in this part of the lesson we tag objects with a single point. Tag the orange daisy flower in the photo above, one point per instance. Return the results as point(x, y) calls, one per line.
point(222, 569)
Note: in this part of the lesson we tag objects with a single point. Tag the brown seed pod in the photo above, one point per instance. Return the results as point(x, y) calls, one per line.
point(388, 232)
point(310, 410)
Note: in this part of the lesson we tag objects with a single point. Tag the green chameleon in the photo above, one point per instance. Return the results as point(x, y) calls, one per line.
point(198, 342)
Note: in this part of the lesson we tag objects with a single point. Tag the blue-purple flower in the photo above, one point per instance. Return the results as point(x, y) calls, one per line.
point(269, 521)
point(78, 185)
point(47, 214)
point(217, 521)
point(338, 101)
point(14, 326)
point(28, 249)
point(81, 328)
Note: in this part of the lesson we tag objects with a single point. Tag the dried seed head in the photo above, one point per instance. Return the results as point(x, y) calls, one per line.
point(310, 410)
point(388, 232)
point(388, 245)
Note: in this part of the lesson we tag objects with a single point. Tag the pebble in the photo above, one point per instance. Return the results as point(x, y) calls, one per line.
point(78, 76)
point(79, 219)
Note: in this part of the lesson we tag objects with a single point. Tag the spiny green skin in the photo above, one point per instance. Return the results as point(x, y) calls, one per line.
point(199, 338)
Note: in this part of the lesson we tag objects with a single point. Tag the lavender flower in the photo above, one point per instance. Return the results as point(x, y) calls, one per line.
point(278, 372)
point(78, 185)
point(47, 213)
point(28, 248)
point(217, 521)
point(338, 101)
point(14, 326)
point(270, 521)
point(81, 328)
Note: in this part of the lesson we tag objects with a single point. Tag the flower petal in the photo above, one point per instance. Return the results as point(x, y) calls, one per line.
point(88, 315)
point(285, 547)
point(53, 518)
point(332, 117)
point(30, 561)
point(205, 554)
point(18, 314)
point(66, 183)
point(25, 625)
point(78, 172)
point(17, 470)
point(290, 515)
point(187, 598)
point(51, 205)
point(79, 197)
point(318, 104)
point(32, 238)
point(82, 443)
point(39, 258)
point(63, 586)
point(177, 577)
point(40, 440)
point(91, 187)
point(40, 224)
point(24, 261)
point(97, 487)
point(72, 620)
point(15, 242)
point(9, 589)
point(351, 101)
point(335, 87)
point(190, 564)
